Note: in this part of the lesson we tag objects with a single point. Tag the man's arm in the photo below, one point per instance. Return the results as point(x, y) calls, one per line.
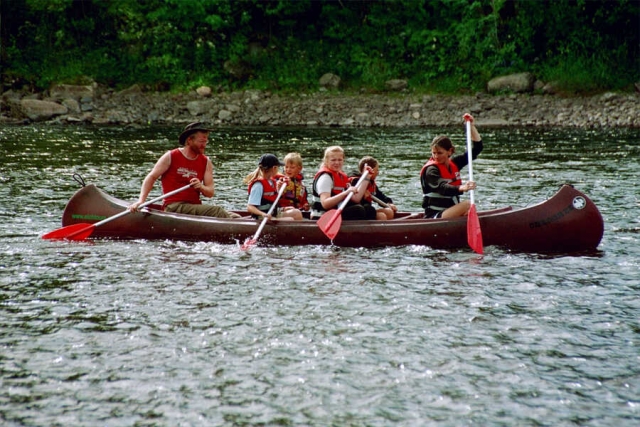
point(161, 166)
point(206, 187)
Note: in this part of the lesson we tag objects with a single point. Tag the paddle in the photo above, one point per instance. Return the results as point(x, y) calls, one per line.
point(378, 201)
point(331, 221)
point(474, 234)
point(83, 230)
point(251, 242)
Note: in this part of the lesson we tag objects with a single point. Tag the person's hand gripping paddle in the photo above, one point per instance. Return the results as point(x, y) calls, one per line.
point(331, 221)
point(474, 234)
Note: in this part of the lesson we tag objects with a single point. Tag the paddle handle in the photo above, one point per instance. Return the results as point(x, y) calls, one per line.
point(269, 212)
point(346, 199)
point(469, 157)
point(378, 201)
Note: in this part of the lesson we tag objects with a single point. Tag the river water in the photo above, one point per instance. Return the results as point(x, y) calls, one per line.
point(161, 333)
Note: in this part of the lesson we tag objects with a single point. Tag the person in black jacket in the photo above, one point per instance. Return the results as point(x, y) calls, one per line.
point(387, 209)
point(440, 177)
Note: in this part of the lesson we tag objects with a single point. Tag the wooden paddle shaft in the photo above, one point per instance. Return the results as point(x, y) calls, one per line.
point(378, 201)
point(346, 199)
point(125, 212)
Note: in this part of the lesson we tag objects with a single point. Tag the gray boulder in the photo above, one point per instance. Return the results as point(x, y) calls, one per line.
point(518, 83)
point(38, 110)
point(395, 85)
point(197, 108)
point(329, 81)
point(77, 92)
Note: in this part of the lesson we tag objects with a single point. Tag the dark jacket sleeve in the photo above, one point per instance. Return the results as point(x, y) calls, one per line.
point(380, 195)
point(462, 160)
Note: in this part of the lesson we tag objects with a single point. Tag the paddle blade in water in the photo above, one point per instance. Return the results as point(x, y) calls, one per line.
point(71, 232)
point(248, 244)
point(474, 234)
point(330, 223)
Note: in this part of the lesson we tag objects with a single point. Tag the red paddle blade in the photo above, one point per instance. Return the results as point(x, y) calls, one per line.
point(248, 243)
point(71, 232)
point(330, 223)
point(474, 234)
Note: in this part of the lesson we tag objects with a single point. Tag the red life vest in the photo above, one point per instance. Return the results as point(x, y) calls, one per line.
point(452, 176)
point(433, 200)
point(179, 174)
point(269, 193)
point(340, 181)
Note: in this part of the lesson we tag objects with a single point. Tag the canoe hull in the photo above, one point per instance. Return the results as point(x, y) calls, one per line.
point(567, 222)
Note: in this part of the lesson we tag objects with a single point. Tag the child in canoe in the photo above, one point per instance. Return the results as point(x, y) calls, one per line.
point(440, 177)
point(387, 209)
point(263, 189)
point(295, 195)
point(331, 186)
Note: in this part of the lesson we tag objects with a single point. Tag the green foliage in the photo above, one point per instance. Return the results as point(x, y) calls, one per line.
point(448, 46)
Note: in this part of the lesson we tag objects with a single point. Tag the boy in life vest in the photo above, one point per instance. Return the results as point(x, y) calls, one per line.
point(263, 186)
point(295, 195)
point(387, 209)
point(440, 177)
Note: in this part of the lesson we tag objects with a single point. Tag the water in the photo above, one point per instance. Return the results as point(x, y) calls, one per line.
point(160, 333)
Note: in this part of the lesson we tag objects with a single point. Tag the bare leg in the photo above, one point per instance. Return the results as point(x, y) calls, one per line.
point(388, 213)
point(293, 214)
point(460, 209)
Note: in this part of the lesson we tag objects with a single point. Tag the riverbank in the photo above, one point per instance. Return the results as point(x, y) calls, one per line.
point(93, 104)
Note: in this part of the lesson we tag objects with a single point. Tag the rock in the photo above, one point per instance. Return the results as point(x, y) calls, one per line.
point(131, 90)
point(77, 92)
point(224, 115)
point(550, 88)
point(204, 91)
point(197, 108)
point(518, 83)
point(11, 94)
point(252, 95)
point(329, 81)
point(72, 105)
point(538, 85)
point(38, 110)
point(328, 108)
point(239, 69)
point(609, 96)
point(395, 85)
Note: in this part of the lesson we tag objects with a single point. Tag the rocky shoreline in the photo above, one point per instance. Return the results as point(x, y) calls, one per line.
point(68, 104)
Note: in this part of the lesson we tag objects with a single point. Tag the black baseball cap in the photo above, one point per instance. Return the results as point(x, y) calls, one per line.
point(269, 161)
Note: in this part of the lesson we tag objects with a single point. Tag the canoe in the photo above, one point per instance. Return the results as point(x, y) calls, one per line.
point(567, 222)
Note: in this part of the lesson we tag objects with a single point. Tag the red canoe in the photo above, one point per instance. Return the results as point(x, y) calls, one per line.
point(567, 222)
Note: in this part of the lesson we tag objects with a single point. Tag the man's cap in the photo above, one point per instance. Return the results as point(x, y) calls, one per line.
point(190, 129)
point(269, 161)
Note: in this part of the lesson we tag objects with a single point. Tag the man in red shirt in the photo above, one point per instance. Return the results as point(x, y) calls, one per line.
point(181, 166)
